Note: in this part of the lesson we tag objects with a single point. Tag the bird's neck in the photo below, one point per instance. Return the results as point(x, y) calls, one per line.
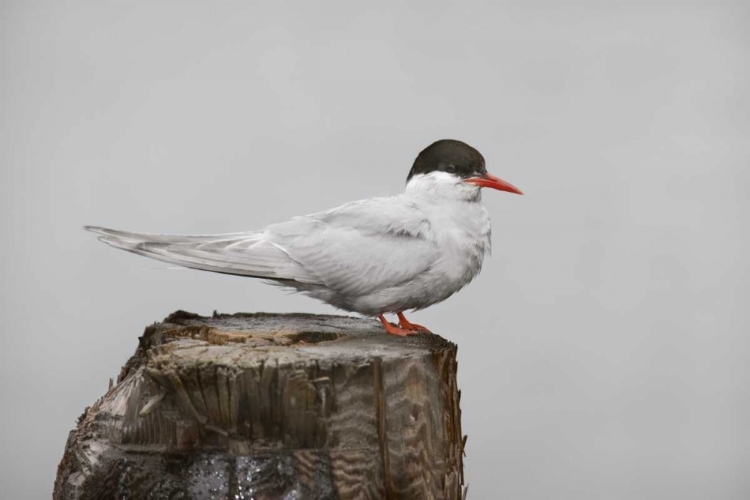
point(459, 220)
point(440, 185)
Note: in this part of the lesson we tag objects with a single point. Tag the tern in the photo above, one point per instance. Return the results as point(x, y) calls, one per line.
point(374, 256)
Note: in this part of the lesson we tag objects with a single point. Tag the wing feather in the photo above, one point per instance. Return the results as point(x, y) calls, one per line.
point(354, 249)
point(243, 254)
point(362, 246)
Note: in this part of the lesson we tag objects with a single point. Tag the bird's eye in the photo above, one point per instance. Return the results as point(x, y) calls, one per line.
point(451, 169)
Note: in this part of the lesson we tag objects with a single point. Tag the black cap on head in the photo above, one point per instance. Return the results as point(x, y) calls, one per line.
point(448, 155)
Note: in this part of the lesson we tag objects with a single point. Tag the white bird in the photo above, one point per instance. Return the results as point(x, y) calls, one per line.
point(373, 256)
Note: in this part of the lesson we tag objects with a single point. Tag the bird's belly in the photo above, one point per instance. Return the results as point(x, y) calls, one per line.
point(446, 277)
point(461, 247)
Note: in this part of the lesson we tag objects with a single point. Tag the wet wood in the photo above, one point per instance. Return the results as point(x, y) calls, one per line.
point(271, 406)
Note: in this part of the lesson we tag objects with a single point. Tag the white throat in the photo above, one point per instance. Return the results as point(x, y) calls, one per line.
point(443, 185)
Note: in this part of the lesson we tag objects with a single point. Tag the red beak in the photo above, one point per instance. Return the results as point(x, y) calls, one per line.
point(490, 181)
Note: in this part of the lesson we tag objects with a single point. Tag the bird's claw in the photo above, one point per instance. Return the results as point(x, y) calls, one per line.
point(395, 330)
point(412, 327)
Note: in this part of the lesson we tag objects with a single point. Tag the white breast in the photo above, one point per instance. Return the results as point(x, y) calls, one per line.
point(462, 234)
point(459, 227)
point(420, 247)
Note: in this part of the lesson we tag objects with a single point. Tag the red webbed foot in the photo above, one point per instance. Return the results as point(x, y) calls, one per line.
point(412, 327)
point(394, 330)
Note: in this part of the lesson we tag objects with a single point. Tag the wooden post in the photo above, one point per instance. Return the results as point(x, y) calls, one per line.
point(272, 406)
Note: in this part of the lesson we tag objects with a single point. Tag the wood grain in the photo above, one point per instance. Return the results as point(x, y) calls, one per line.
point(272, 406)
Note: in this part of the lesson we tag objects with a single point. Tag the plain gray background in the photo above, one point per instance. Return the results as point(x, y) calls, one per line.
point(604, 348)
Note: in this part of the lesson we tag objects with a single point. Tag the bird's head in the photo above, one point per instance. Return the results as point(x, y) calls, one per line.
point(453, 167)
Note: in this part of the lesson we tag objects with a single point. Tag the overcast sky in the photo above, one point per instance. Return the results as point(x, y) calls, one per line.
point(603, 350)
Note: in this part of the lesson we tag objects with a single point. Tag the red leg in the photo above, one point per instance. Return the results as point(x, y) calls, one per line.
point(413, 327)
point(394, 330)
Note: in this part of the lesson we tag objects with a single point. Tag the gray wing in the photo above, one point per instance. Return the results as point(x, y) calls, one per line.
point(242, 254)
point(360, 247)
point(353, 249)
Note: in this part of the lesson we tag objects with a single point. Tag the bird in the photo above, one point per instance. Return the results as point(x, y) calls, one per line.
point(376, 256)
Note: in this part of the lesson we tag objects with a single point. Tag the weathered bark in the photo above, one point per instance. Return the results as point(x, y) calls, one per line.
point(267, 406)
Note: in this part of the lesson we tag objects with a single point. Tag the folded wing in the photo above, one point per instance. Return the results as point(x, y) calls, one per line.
point(242, 254)
point(354, 249)
point(360, 247)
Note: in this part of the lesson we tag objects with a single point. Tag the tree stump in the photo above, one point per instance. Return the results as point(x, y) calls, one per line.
point(272, 406)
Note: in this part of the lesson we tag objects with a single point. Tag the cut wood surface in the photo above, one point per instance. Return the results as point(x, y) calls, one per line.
point(272, 406)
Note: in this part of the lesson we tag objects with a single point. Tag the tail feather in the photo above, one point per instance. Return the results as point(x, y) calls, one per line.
point(243, 254)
